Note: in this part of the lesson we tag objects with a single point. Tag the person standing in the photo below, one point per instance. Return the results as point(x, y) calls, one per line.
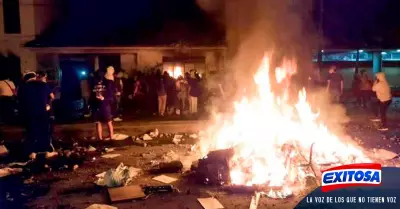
point(119, 88)
point(105, 92)
point(365, 88)
point(161, 93)
point(335, 85)
point(194, 92)
point(7, 100)
point(383, 93)
point(182, 89)
point(34, 98)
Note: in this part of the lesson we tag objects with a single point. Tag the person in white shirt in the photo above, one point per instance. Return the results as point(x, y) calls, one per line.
point(383, 93)
point(7, 104)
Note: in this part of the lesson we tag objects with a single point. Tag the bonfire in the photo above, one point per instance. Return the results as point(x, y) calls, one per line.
point(273, 143)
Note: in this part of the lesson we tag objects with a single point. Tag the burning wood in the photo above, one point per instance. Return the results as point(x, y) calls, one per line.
point(268, 143)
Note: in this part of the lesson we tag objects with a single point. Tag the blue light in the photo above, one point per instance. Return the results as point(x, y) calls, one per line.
point(361, 51)
point(384, 53)
point(398, 50)
point(83, 72)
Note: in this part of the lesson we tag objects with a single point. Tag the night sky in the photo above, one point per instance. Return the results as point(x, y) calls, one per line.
point(347, 23)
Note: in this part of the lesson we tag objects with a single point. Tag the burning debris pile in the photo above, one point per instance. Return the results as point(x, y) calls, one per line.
point(270, 144)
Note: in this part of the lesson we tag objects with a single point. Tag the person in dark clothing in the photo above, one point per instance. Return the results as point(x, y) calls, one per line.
point(162, 92)
point(105, 91)
point(34, 99)
point(194, 92)
point(119, 90)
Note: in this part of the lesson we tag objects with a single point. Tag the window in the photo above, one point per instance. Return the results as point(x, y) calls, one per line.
point(350, 56)
point(391, 56)
point(12, 23)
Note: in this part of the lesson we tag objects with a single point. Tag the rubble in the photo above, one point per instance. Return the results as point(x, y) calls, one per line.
point(255, 200)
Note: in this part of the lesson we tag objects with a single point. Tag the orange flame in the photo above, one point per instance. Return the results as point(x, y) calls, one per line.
point(267, 133)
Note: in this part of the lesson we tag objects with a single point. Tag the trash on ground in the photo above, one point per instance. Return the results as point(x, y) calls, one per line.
point(101, 206)
point(170, 167)
point(210, 203)
point(125, 193)
point(120, 137)
point(111, 149)
point(169, 157)
point(108, 156)
point(158, 189)
point(154, 133)
point(193, 136)
point(120, 176)
point(177, 139)
point(164, 179)
point(9, 171)
point(255, 200)
point(3, 151)
point(146, 137)
point(91, 149)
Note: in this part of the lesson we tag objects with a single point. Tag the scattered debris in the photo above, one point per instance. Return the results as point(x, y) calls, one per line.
point(146, 137)
point(177, 139)
point(159, 189)
point(125, 193)
point(3, 151)
point(154, 133)
point(101, 206)
point(18, 164)
point(169, 157)
point(164, 179)
point(9, 171)
point(210, 203)
point(254, 201)
point(107, 150)
point(193, 136)
point(108, 156)
point(120, 137)
point(120, 176)
point(150, 155)
point(170, 167)
point(91, 149)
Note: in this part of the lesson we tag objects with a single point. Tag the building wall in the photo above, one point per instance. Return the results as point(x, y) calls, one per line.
point(35, 16)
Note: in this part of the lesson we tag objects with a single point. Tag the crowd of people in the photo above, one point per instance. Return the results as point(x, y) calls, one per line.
point(364, 89)
point(106, 94)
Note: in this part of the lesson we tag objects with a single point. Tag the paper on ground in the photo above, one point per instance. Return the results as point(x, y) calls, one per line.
point(120, 137)
point(100, 206)
point(254, 201)
point(210, 203)
point(146, 137)
point(110, 155)
point(164, 179)
point(101, 175)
